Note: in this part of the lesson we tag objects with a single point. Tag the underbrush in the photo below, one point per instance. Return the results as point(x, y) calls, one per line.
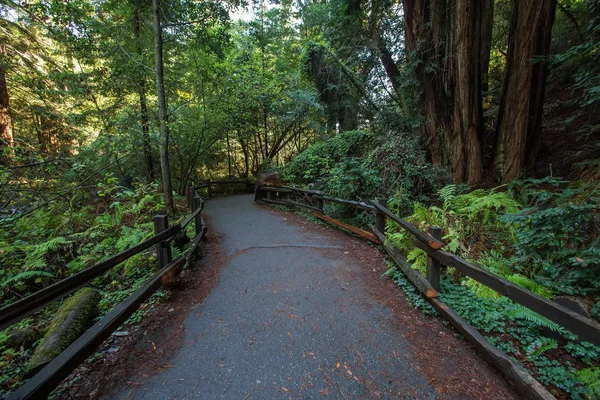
point(540, 234)
point(57, 241)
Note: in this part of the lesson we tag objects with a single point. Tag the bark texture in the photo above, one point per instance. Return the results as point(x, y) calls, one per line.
point(6, 134)
point(521, 105)
point(467, 113)
point(427, 38)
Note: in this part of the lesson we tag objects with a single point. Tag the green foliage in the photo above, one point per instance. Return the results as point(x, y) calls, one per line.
point(25, 275)
point(315, 163)
point(412, 294)
point(520, 312)
point(557, 238)
point(540, 345)
point(590, 377)
point(482, 226)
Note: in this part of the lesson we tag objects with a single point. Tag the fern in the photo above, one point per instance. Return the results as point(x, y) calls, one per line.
point(448, 195)
point(36, 256)
point(529, 284)
point(520, 312)
point(539, 346)
point(484, 205)
point(24, 276)
point(481, 290)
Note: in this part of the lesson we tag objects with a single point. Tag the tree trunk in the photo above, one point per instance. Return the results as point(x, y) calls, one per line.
point(141, 84)
point(245, 152)
point(487, 25)
point(521, 105)
point(6, 134)
point(228, 155)
point(426, 39)
point(162, 107)
point(467, 116)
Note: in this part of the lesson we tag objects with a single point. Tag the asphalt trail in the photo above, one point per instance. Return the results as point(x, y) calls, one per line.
point(283, 322)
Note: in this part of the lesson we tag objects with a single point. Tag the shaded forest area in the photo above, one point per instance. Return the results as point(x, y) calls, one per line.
point(480, 116)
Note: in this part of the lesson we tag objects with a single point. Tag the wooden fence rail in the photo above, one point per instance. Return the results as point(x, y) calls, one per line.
point(431, 242)
point(47, 379)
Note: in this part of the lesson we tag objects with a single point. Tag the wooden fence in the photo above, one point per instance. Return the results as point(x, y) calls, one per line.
point(46, 380)
point(431, 242)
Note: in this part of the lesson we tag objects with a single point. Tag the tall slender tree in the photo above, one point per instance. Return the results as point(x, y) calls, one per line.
point(162, 106)
point(6, 135)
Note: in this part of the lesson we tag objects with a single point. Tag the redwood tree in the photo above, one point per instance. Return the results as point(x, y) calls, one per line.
point(522, 102)
point(427, 36)
point(467, 110)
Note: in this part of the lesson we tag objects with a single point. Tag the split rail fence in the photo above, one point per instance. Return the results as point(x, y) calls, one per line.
point(431, 242)
point(48, 378)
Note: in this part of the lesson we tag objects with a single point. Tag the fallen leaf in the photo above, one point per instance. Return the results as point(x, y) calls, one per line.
point(324, 392)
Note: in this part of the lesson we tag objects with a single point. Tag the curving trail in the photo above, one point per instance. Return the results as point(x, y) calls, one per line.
point(293, 316)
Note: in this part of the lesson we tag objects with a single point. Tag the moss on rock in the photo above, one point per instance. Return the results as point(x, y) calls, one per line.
point(71, 320)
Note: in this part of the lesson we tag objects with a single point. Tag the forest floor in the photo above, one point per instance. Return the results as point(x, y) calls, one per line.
point(300, 310)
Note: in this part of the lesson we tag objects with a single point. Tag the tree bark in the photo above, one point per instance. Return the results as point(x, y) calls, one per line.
point(141, 85)
point(467, 114)
point(6, 133)
point(162, 107)
point(427, 37)
point(522, 101)
point(487, 25)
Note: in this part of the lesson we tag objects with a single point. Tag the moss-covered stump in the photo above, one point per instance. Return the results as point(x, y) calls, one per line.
point(70, 322)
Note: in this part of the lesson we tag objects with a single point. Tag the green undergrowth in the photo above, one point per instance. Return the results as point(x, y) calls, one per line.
point(59, 240)
point(540, 234)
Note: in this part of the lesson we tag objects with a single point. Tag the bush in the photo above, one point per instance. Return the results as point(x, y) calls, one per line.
point(358, 165)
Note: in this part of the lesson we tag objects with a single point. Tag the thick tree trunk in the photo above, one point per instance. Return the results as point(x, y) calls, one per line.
point(141, 85)
point(6, 134)
point(521, 105)
point(162, 107)
point(427, 38)
point(467, 116)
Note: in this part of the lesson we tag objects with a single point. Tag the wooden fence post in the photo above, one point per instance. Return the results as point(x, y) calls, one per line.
point(380, 218)
point(163, 249)
point(198, 219)
point(321, 205)
point(434, 267)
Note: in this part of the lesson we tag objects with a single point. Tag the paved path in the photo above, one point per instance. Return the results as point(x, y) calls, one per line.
point(283, 322)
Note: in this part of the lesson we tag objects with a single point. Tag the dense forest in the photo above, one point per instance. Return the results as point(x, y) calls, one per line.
point(480, 116)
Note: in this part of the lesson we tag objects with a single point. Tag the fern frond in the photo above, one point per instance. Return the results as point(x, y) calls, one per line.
point(520, 312)
point(24, 276)
point(540, 345)
point(530, 284)
point(36, 257)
